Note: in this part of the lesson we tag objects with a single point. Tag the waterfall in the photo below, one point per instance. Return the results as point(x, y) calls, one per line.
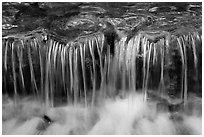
point(101, 68)
point(152, 71)
point(80, 69)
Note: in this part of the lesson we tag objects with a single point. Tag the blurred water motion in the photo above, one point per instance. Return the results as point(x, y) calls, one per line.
point(102, 62)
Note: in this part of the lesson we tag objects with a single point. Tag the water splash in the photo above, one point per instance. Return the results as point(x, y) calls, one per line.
point(119, 116)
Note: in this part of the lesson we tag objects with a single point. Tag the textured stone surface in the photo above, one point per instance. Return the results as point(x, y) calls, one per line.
point(90, 17)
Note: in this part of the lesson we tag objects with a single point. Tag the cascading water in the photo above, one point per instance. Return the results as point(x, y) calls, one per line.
point(114, 76)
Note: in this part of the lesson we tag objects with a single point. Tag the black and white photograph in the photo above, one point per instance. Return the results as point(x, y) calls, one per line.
point(101, 68)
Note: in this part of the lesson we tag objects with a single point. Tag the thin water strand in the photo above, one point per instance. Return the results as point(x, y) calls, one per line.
point(14, 69)
point(20, 57)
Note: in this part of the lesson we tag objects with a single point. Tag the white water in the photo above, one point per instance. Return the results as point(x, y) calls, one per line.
point(113, 116)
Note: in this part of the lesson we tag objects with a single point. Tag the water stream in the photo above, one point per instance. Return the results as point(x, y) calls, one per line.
point(104, 82)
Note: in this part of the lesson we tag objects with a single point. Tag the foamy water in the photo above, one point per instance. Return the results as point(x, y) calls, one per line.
point(112, 116)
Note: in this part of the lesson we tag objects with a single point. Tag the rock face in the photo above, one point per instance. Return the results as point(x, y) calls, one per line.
point(76, 49)
point(89, 16)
